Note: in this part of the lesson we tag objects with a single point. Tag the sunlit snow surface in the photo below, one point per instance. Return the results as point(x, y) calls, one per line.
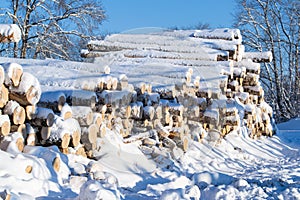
point(234, 168)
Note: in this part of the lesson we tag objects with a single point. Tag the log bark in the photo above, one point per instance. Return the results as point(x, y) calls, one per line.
point(148, 112)
point(43, 117)
point(13, 143)
point(83, 114)
point(89, 137)
point(45, 133)
point(81, 98)
point(53, 100)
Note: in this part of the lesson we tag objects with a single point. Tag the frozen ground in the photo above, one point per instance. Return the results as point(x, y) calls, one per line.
point(234, 168)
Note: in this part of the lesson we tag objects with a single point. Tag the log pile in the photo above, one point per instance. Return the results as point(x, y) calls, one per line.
point(193, 108)
point(158, 118)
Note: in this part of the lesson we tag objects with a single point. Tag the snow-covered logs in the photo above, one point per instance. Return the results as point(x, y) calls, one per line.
point(10, 33)
point(155, 116)
point(202, 106)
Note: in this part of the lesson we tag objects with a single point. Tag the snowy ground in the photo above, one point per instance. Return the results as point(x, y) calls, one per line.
point(235, 168)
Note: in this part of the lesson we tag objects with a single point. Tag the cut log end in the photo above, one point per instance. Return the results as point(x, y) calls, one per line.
point(56, 164)
point(19, 115)
point(5, 128)
point(65, 141)
point(28, 169)
point(76, 138)
point(20, 144)
point(16, 76)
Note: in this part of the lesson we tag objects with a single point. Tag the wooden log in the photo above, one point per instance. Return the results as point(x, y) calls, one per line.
point(204, 93)
point(124, 112)
point(75, 131)
point(97, 119)
point(15, 112)
point(66, 112)
point(104, 83)
point(158, 112)
point(4, 125)
point(10, 33)
point(136, 110)
point(165, 92)
point(56, 164)
point(3, 95)
point(30, 111)
point(43, 117)
point(185, 143)
point(161, 130)
point(65, 140)
point(223, 34)
point(83, 114)
point(259, 57)
point(115, 98)
point(30, 137)
point(140, 136)
point(45, 133)
point(148, 112)
point(114, 83)
point(5, 195)
point(53, 100)
point(13, 74)
point(80, 151)
point(21, 128)
point(196, 82)
point(123, 82)
point(102, 131)
point(81, 98)
point(12, 143)
point(28, 91)
point(176, 109)
point(89, 85)
point(140, 88)
point(251, 79)
point(89, 137)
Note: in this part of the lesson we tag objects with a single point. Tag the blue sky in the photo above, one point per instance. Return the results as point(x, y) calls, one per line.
point(124, 15)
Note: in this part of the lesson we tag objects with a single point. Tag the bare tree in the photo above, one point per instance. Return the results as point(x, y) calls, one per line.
point(273, 25)
point(52, 28)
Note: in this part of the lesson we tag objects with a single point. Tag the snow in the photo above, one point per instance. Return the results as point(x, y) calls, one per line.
point(223, 33)
point(234, 167)
point(259, 56)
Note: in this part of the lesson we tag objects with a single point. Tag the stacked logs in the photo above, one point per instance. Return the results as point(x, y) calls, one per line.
point(155, 117)
point(20, 92)
point(192, 109)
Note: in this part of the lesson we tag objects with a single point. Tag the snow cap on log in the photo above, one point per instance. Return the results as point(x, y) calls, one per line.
point(259, 56)
point(10, 33)
point(224, 33)
point(13, 74)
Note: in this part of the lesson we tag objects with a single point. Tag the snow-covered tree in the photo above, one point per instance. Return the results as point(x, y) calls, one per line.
point(53, 28)
point(273, 25)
